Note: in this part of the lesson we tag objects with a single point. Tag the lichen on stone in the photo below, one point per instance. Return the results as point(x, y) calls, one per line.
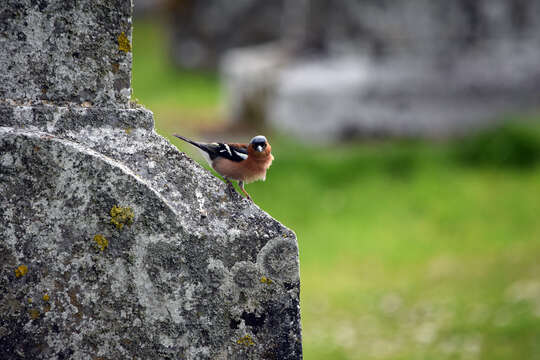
point(266, 280)
point(246, 341)
point(101, 243)
point(21, 270)
point(123, 43)
point(121, 216)
point(34, 313)
point(46, 297)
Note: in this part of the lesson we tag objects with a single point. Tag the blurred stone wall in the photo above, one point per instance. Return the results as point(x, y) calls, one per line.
point(342, 68)
point(201, 31)
point(409, 68)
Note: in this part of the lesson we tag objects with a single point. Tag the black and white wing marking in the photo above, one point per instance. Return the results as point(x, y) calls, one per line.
point(228, 151)
point(231, 152)
point(211, 151)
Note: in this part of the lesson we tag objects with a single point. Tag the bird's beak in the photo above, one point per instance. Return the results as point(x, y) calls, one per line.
point(259, 148)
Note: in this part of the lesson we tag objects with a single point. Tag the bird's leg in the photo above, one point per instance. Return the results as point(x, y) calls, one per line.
point(241, 185)
point(230, 186)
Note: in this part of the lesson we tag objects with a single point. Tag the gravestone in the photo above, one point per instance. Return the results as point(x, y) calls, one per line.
point(113, 244)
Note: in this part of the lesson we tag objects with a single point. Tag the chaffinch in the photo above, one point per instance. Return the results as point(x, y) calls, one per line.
point(242, 162)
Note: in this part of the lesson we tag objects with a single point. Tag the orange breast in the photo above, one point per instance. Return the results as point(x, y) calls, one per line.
point(248, 170)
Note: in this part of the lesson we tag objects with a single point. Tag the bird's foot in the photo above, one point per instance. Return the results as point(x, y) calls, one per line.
point(241, 185)
point(230, 188)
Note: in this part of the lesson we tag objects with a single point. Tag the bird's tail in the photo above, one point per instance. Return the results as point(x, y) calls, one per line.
point(194, 143)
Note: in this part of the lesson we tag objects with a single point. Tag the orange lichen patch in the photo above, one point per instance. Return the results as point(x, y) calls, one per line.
point(21, 270)
point(46, 297)
point(121, 216)
point(246, 340)
point(123, 43)
point(266, 280)
point(34, 313)
point(101, 242)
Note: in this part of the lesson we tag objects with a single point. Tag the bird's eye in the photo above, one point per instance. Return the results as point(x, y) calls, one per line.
point(259, 146)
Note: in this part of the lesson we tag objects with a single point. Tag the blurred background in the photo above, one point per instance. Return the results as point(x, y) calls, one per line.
point(407, 145)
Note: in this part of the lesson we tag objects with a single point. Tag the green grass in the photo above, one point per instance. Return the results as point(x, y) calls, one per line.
point(408, 253)
point(177, 97)
point(408, 250)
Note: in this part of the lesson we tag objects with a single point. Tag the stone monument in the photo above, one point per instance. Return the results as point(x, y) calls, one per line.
point(114, 244)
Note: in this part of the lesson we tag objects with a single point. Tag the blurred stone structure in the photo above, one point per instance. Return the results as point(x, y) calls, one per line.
point(426, 68)
point(148, 8)
point(113, 244)
point(202, 31)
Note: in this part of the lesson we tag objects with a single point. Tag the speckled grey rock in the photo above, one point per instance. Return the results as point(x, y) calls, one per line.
point(65, 51)
point(197, 275)
point(115, 245)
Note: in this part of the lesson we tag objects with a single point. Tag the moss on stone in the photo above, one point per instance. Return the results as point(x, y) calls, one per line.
point(34, 313)
point(121, 216)
point(21, 270)
point(246, 341)
point(101, 243)
point(123, 43)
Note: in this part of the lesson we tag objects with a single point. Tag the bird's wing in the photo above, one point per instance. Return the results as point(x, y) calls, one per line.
point(233, 152)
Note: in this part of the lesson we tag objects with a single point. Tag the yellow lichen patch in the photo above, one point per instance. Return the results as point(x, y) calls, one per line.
point(46, 297)
point(34, 313)
point(121, 216)
point(30, 300)
point(128, 130)
point(101, 243)
point(246, 340)
point(21, 270)
point(123, 42)
point(266, 280)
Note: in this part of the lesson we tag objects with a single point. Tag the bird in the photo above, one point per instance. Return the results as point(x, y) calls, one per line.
point(244, 163)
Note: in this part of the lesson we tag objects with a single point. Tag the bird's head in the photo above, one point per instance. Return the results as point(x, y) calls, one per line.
point(259, 143)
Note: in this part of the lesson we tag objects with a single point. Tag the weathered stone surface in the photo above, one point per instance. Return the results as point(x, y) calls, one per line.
point(197, 275)
point(65, 51)
point(113, 244)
